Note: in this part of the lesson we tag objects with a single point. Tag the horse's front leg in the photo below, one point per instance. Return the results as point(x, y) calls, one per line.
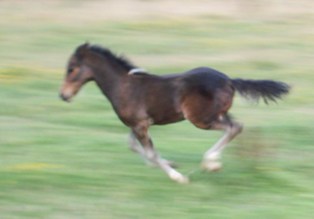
point(141, 133)
point(136, 147)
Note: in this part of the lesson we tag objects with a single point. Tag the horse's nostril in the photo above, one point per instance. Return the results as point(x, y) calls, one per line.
point(63, 97)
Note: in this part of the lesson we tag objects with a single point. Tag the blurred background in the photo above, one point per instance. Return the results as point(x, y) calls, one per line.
point(61, 160)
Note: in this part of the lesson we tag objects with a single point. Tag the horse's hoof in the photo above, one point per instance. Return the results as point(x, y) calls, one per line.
point(211, 166)
point(178, 177)
point(183, 180)
point(211, 162)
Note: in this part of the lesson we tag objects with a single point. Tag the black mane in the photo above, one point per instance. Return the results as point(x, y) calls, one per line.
point(121, 60)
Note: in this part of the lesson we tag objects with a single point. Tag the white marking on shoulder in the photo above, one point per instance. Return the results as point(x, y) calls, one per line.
point(136, 70)
point(220, 118)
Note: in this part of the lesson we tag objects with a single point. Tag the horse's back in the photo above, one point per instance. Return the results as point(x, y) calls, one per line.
point(205, 79)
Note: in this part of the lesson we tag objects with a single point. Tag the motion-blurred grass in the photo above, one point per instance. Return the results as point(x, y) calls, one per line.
point(62, 160)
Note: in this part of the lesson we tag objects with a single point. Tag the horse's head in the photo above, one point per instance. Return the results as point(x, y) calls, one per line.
point(77, 73)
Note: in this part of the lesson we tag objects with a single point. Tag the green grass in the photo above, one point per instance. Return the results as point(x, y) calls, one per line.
point(61, 160)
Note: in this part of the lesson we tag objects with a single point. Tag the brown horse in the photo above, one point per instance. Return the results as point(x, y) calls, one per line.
point(202, 95)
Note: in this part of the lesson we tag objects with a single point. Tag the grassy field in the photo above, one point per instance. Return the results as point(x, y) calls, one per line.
point(61, 160)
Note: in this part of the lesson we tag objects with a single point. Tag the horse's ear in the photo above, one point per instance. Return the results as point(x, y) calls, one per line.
point(85, 45)
point(81, 50)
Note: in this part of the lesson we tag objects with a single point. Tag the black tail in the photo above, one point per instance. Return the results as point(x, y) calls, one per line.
point(256, 89)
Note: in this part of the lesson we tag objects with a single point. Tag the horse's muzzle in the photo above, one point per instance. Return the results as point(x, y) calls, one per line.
point(64, 97)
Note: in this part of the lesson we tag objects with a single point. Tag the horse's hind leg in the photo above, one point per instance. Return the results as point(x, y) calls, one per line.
point(212, 156)
point(141, 133)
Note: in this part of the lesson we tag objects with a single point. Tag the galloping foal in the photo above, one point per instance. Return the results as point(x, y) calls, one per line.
point(202, 95)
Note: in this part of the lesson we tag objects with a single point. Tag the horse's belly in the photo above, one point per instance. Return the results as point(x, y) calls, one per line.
point(166, 116)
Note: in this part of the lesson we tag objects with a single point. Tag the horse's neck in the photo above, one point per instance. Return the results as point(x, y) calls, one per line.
point(108, 80)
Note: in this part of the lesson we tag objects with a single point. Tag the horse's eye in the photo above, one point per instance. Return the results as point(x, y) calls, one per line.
point(70, 70)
